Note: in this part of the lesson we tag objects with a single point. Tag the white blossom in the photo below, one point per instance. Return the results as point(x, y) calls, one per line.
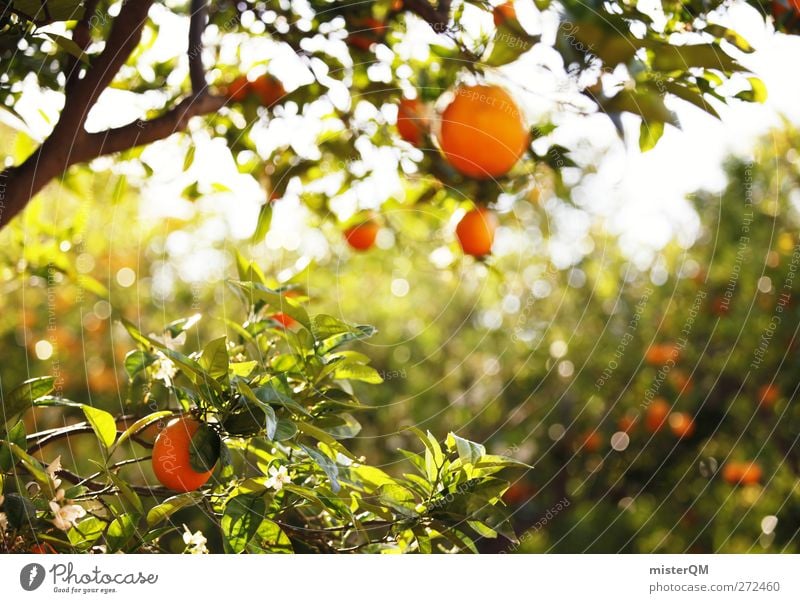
point(163, 369)
point(278, 476)
point(195, 542)
point(65, 516)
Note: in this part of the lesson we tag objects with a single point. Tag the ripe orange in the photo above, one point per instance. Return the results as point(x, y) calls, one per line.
point(662, 353)
point(656, 415)
point(590, 442)
point(475, 232)
point(482, 133)
point(504, 12)
point(43, 548)
point(518, 493)
point(745, 473)
point(682, 382)
point(781, 7)
point(411, 122)
point(238, 89)
point(171, 456)
point(268, 89)
point(286, 320)
point(681, 424)
point(768, 394)
point(362, 236)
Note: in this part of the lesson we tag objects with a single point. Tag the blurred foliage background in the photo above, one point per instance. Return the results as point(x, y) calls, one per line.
point(655, 397)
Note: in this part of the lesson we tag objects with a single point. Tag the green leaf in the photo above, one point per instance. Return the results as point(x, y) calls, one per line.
point(21, 398)
point(398, 498)
point(277, 301)
point(469, 452)
point(723, 33)
point(263, 223)
point(284, 430)
point(357, 372)
point(649, 134)
point(330, 468)
point(32, 465)
point(757, 92)
point(84, 534)
point(692, 96)
point(127, 493)
point(214, 358)
point(139, 425)
point(16, 435)
point(120, 532)
point(205, 449)
point(509, 43)
point(188, 160)
point(668, 58)
point(241, 520)
point(19, 510)
point(69, 45)
point(269, 538)
point(137, 361)
point(170, 506)
point(103, 424)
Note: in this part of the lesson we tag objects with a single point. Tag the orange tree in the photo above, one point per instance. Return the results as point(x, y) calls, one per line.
point(349, 63)
point(252, 430)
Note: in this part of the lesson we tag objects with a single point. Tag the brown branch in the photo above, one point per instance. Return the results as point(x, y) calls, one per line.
point(124, 37)
point(82, 36)
point(438, 17)
point(93, 486)
point(141, 132)
point(70, 144)
point(197, 24)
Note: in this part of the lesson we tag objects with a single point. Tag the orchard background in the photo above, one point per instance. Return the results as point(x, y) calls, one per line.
point(356, 277)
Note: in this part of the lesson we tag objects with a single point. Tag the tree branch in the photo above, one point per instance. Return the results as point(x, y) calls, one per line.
point(81, 35)
point(70, 144)
point(197, 24)
point(438, 17)
point(141, 132)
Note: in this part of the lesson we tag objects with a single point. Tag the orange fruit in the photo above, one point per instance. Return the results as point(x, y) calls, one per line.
point(662, 353)
point(268, 89)
point(171, 462)
point(411, 122)
point(768, 394)
point(518, 493)
point(475, 232)
point(503, 13)
point(286, 320)
point(681, 424)
point(656, 415)
point(590, 442)
point(682, 382)
point(482, 133)
point(362, 236)
point(238, 89)
point(43, 548)
point(746, 473)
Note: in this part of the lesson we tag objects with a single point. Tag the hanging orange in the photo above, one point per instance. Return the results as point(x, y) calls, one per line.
point(411, 122)
point(362, 236)
point(171, 462)
point(475, 232)
point(482, 133)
